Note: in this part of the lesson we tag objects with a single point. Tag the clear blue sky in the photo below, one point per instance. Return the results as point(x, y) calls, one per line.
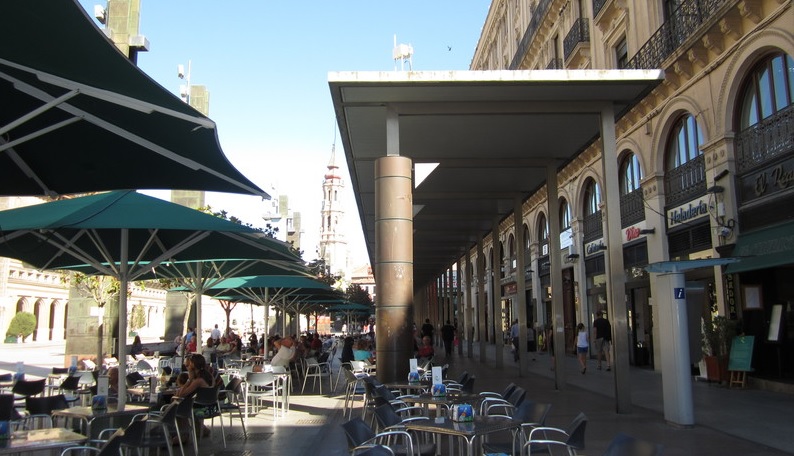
point(266, 62)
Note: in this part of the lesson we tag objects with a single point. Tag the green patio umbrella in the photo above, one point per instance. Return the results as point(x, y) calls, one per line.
point(284, 292)
point(351, 308)
point(87, 119)
point(124, 234)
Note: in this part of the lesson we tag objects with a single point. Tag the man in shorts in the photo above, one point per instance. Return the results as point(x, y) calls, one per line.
point(603, 339)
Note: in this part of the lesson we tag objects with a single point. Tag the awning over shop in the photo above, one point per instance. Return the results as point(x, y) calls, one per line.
point(764, 248)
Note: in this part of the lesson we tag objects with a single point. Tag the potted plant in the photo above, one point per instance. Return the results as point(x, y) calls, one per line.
point(717, 336)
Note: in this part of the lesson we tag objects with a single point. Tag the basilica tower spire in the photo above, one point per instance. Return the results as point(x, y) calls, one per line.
point(333, 246)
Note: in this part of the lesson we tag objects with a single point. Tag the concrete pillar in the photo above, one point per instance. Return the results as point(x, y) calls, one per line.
point(616, 274)
point(468, 315)
point(394, 266)
point(521, 294)
point(496, 294)
point(461, 306)
point(556, 276)
point(480, 271)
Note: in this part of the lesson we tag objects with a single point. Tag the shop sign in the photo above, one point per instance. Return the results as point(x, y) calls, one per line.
point(768, 181)
point(730, 296)
point(597, 246)
point(688, 212)
point(633, 232)
point(510, 289)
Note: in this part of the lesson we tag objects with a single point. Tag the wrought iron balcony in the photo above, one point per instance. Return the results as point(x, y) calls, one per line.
point(680, 26)
point(632, 209)
point(592, 227)
point(579, 33)
point(598, 5)
point(555, 64)
point(684, 183)
point(534, 23)
point(765, 140)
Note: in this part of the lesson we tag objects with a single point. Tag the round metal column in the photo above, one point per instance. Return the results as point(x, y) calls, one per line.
point(394, 270)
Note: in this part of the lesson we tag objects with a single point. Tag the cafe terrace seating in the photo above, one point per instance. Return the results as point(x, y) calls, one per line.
point(544, 439)
point(361, 436)
point(208, 406)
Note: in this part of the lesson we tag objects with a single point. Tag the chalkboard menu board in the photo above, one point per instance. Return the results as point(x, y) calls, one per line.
point(741, 353)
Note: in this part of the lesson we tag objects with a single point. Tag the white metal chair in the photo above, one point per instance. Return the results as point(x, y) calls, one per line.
point(260, 386)
point(316, 370)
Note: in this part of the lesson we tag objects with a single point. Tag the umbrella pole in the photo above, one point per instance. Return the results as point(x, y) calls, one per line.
point(121, 387)
point(197, 330)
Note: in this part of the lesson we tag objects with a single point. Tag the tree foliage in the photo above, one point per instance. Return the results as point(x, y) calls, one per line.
point(102, 289)
point(358, 295)
point(137, 317)
point(23, 324)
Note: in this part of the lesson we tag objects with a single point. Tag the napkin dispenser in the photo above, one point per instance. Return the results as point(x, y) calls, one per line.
point(439, 390)
point(462, 413)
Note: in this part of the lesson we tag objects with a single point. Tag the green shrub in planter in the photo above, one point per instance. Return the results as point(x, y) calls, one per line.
point(23, 324)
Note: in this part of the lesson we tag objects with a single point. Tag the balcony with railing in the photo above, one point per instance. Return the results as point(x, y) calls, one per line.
point(555, 64)
point(632, 208)
point(529, 35)
point(576, 46)
point(765, 140)
point(598, 5)
point(685, 182)
point(682, 24)
point(592, 227)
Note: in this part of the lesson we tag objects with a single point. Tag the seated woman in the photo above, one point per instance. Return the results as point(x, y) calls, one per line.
point(426, 350)
point(137, 348)
point(199, 376)
point(362, 351)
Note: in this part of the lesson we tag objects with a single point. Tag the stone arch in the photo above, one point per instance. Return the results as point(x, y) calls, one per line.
point(677, 107)
point(743, 60)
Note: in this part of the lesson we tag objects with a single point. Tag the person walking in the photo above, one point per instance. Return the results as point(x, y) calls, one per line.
point(514, 339)
point(531, 345)
point(448, 336)
point(215, 335)
point(582, 346)
point(427, 330)
point(603, 339)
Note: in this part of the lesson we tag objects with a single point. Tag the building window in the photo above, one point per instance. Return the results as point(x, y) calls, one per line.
point(622, 54)
point(543, 229)
point(685, 141)
point(630, 174)
point(592, 198)
point(565, 215)
point(769, 89)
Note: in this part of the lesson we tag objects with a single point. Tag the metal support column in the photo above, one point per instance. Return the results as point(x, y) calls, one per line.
point(496, 294)
point(521, 294)
point(616, 274)
point(556, 276)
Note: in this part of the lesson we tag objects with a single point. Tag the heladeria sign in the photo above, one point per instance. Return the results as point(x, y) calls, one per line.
point(685, 213)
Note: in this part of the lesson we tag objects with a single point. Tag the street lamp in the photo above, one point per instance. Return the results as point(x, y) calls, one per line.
point(184, 90)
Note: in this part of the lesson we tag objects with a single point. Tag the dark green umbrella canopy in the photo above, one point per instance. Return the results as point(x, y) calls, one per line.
point(124, 234)
point(77, 116)
point(86, 230)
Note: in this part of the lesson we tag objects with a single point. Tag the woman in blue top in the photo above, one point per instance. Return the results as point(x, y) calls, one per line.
point(362, 351)
point(582, 346)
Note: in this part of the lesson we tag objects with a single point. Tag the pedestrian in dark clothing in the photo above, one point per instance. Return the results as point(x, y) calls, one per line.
point(427, 330)
point(347, 350)
point(448, 336)
point(603, 338)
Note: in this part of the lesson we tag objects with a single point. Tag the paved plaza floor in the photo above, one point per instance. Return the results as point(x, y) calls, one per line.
point(728, 421)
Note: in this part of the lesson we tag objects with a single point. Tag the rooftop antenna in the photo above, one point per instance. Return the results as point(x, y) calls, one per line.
point(403, 53)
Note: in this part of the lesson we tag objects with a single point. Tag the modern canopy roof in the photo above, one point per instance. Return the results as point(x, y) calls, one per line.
point(77, 116)
point(488, 137)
